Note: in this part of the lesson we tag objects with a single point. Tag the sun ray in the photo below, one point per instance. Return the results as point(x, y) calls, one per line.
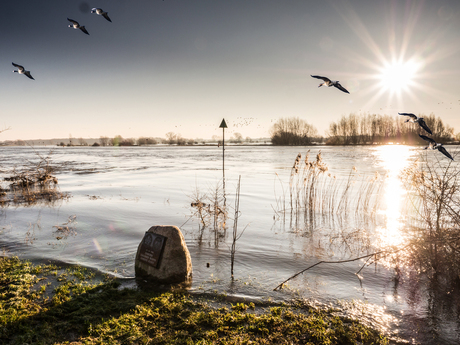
point(410, 23)
point(433, 92)
point(355, 23)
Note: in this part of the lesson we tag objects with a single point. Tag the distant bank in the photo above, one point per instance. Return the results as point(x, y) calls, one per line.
point(130, 142)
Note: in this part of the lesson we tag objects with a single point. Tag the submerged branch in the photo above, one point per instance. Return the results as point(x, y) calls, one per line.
point(386, 252)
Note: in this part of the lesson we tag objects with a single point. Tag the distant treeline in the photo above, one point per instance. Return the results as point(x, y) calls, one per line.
point(171, 139)
point(118, 140)
point(381, 129)
point(363, 129)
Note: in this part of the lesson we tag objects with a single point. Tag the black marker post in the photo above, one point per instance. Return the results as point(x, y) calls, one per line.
point(223, 125)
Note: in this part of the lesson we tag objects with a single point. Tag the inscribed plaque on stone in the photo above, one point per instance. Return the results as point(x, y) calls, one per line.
point(151, 249)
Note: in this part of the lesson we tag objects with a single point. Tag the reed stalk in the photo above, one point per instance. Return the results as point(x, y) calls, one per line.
point(235, 234)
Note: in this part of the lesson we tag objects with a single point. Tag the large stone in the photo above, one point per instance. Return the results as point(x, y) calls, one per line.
point(171, 265)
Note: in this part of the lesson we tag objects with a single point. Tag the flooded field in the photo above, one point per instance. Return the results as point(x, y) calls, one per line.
point(346, 203)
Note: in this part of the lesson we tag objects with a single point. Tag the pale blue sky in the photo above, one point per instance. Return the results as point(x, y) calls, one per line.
point(183, 65)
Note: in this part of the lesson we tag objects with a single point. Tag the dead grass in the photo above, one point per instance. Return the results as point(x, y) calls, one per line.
point(32, 184)
point(211, 210)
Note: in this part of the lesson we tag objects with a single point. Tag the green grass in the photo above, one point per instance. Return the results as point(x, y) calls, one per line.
point(50, 305)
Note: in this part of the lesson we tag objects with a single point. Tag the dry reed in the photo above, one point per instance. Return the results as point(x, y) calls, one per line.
point(314, 192)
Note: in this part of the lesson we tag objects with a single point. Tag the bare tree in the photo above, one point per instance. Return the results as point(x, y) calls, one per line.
point(180, 141)
point(171, 138)
point(238, 138)
point(292, 131)
point(127, 142)
point(146, 141)
point(104, 141)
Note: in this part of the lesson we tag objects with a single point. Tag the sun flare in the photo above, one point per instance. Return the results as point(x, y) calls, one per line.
point(398, 76)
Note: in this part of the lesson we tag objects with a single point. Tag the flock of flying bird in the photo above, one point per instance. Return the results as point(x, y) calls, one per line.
point(432, 144)
point(75, 25)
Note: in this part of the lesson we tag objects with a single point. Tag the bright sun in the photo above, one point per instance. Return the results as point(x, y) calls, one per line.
point(398, 76)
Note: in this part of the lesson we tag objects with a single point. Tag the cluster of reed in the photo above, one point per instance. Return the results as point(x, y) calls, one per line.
point(313, 192)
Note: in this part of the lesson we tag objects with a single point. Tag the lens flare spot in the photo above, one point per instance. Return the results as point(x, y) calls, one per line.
point(97, 245)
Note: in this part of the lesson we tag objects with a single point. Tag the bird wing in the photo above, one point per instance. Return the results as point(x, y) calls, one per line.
point(319, 77)
point(82, 28)
point(444, 152)
point(340, 87)
point(409, 114)
point(422, 124)
point(106, 16)
point(430, 140)
point(18, 66)
point(27, 73)
point(73, 21)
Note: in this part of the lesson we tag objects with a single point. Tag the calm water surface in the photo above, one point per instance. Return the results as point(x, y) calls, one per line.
point(119, 193)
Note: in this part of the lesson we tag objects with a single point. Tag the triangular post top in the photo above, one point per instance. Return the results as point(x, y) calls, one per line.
point(223, 124)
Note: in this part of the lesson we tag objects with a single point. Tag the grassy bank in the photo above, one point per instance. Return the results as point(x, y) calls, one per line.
point(46, 304)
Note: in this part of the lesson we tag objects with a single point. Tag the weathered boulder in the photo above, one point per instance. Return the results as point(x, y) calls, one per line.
point(163, 256)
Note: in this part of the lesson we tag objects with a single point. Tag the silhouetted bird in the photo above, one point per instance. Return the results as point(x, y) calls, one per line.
point(100, 12)
point(414, 119)
point(22, 70)
point(75, 25)
point(328, 82)
point(435, 146)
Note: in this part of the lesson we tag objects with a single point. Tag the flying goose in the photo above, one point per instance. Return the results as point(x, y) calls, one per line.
point(75, 25)
point(433, 145)
point(414, 119)
point(328, 82)
point(100, 12)
point(22, 70)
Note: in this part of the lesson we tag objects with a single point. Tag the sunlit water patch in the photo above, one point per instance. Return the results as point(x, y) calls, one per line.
point(393, 159)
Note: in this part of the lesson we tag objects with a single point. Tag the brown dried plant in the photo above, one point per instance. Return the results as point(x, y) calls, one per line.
point(434, 218)
point(32, 184)
point(211, 210)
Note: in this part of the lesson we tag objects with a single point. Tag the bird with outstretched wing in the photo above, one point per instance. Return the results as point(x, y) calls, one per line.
point(329, 83)
point(415, 119)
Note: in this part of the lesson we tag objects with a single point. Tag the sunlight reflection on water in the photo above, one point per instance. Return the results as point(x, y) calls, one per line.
point(394, 158)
